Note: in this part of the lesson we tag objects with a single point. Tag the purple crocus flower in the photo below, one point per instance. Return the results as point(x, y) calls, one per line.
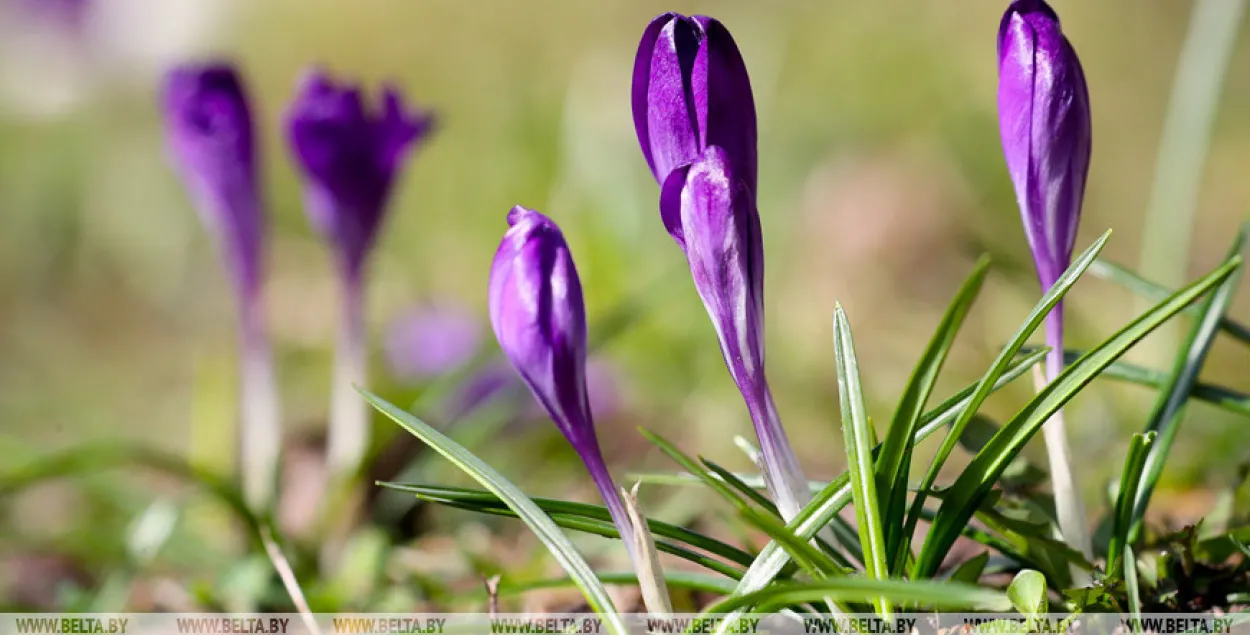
point(1044, 118)
point(691, 91)
point(349, 157)
point(711, 214)
point(212, 145)
point(539, 318)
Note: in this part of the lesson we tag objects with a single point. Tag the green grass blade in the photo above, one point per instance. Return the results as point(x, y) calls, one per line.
point(708, 478)
point(1131, 587)
point(857, 438)
point(944, 595)
point(981, 474)
point(475, 499)
point(607, 529)
point(732, 480)
point(1126, 499)
point(1151, 291)
point(837, 494)
point(1031, 323)
point(969, 571)
point(810, 559)
point(540, 523)
point(1170, 407)
point(675, 579)
point(894, 459)
point(1218, 396)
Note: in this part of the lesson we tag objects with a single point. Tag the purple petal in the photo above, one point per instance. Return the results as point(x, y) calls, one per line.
point(671, 125)
point(723, 101)
point(670, 203)
point(720, 233)
point(642, 84)
point(349, 157)
point(212, 144)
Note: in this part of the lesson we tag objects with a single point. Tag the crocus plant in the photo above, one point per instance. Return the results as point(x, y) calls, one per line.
point(695, 118)
point(212, 145)
point(1043, 107)
point(349, 157)
point(539, 318)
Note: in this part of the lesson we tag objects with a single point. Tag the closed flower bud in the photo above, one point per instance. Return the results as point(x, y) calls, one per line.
point(691, 91)
point(539, 318)
point(212, 145)
point(1044, 118)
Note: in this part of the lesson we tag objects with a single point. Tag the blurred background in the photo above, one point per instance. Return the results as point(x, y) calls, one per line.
point(881, 181)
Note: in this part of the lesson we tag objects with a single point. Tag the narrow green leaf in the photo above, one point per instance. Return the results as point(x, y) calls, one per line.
point(1170, 407)
point(730, 479)
point(475, 500)
point(1218, 396)
point(830, 500)
point(1113, 272)
point(540, 523)
point(859, 459)
point(1126, 499)
point(969, 571)
point(944, 595)
point(810, 559)
point(681, 458)
point(1027, 593)
point(1131, 587)
point(894, 459)
point(981, 474)
point(1031, 323)
point(674, 579)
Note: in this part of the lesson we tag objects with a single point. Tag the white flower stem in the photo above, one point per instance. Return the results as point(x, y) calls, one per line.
point(348, 436)
point(1069, 508)
point(260, 424)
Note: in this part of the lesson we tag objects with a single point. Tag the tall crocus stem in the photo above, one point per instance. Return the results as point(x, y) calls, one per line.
point(1069, 507)
point(349, 422)
point(612, 500)
point(260, 429)
point(212, 144)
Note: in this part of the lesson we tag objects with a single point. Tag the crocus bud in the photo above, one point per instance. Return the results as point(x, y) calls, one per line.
point(212, 145)
point(539, 318)
point(349, 157)
point(1043, 109)
point(1044, 119)
point(691, 91)
point(711, 214)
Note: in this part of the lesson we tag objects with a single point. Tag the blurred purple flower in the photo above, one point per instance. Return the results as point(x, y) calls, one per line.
point(1044, 119)
point(711, 214)
point(212, 145)
point(691, 91)
point(426, 342)
point(349, 157)
point(539, 318)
